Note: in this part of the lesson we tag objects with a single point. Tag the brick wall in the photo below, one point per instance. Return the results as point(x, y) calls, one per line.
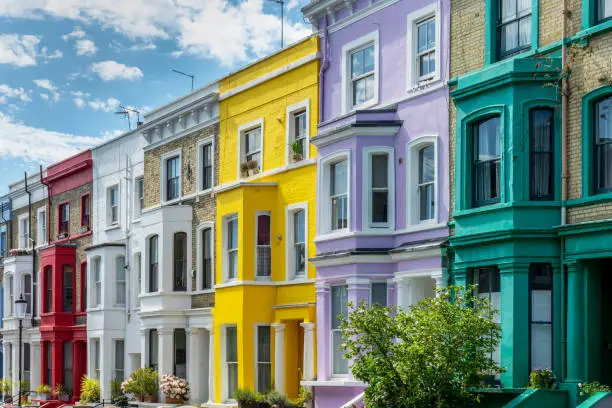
point(204, 207)
point(33, 221)
point(467, 36)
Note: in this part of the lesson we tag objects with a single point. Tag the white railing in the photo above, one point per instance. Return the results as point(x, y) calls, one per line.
point(356, 402)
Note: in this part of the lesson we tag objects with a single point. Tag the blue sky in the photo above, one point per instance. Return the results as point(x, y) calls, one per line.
point(67, 65)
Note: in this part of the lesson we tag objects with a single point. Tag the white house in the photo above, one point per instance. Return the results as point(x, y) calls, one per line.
point(114, 260)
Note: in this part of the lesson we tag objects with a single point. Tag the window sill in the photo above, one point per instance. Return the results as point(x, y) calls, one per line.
point(424, 226)
point(202, 292)
point(329, 236)
point(112, 227)
point(594, 199)
point(264, 278)
point(334, 382)
point(136, 220)
point(365, 105)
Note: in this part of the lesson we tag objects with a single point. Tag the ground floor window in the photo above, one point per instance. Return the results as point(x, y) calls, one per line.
point(49, 359)
point(231, 360)
point(488, 286)
point(263, 359)
point(119, 359)
point(26, 362)
point(540, 280)
point(96, 358)
point(339, 307)
point(153, 349)
point(68, 360)
point(180, 353)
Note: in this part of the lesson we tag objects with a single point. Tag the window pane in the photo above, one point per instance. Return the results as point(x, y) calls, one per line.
point(180, 261)
point(359, 91)
point(541, 350)
point(263, 246)
point(487, 161)
point(542, 134)
point(356, 64)
point(488, 139)
point(379, 293)
point(603, 141)
point(263, 359)
point(339, 363)
point(232, 233)
point(339, 304)
point(368, 59)
point(339, 178)
point(604, 9)
point(507, 9)
point(153, 264)
point(426, 165)
point(206, 259)
point(380, 206)
point(525, 32)
point(67, 301)
point(27, 292)
point(380, 171)
point(120, 277)
point(299, 242)
point(119, 359)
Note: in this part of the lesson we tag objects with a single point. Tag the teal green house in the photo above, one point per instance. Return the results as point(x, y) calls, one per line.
point(545, 262)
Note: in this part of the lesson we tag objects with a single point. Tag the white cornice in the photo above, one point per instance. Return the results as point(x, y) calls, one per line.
point(294, 282)
point(182, 133)
point(334, 136)
point(270, 75)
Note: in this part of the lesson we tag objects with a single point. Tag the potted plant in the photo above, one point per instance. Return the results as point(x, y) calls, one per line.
point(62, 235)
point(278, 400)
point(304, 397)
point(249, 399)
point(61, 393)
point(142, 384)
point(542, 378)
point(296, 151)
point(43, 392)
point(244, 169)
point(7, 390)
point(253, 167)
point(90, 390)
point(175, 389)
point(84, 229)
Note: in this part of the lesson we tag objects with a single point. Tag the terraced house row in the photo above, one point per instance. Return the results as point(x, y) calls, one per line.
point(405, 145)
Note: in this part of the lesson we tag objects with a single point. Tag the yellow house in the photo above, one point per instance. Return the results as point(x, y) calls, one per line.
point(265, 295)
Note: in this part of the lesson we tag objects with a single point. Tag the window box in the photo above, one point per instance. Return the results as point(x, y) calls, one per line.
point(297, 151)
point(62, 235)
point(19, 252)
point(84, 229)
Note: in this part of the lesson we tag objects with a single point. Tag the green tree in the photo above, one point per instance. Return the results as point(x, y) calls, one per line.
point(425, 357)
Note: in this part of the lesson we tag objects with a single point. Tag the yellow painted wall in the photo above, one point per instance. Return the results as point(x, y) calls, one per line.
point(245, 304)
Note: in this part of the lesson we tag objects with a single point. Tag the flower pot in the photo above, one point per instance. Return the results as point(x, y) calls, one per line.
point(150, 398)
point(44, 396)
point(64, 398)
point(62, 236)
point(177, 401)
point(296, 158)
point(84, 229)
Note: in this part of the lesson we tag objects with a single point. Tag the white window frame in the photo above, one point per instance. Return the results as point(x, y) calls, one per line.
point(224, 370)
point(23, 223)
point(225, 261)
point(302, 106)
point(137, 207)
point(118, 282)
point(257, 214)
point(256, 352)
point(331, 335)
point(374, 281)
point(164, 174)
point(199, 161)
point(96, 300)
point(368, 152)
point(23, 292)
point(412, 179)
point(347, 89)
point(11, 295)
point(114, 371)
point(109, 205)
point(95, 362)
point(199, 259)
point(41, 228)
point(137, 278)
point(289, 233)
point(324, 204)
point(242, 130)
point(413, 20)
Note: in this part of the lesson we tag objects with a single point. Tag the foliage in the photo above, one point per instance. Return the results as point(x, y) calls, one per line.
point(59, 390)
point(543, 378)
point(142, 382)
point(90, 389)
point(589, 389)
point(243, 167)
point(43, 389)
point(275, 398)
point(121, 401)
point(25, 386)
point(115, 389)
point(296, 147)
point(425, 357)
point(303, 397)
point(245, 396)
point(174, 387)
point(252, 164)
point(7, 386)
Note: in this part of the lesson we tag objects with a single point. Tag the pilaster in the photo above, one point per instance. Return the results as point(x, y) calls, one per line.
point(165, 350)
point(323, 329)
point(575, 322)
point(279, 357)
point(193, 366)
point(309, 351)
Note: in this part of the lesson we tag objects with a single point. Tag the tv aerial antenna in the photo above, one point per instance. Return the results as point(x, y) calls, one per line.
point(125, 112)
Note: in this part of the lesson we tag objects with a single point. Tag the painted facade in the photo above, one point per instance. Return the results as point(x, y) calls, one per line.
point(115, 260)
point(539, 256)
point(63, 270)
point(265, 298)
point(28, 201)
point(382, 174)
point(5, 224)
point(176, 239)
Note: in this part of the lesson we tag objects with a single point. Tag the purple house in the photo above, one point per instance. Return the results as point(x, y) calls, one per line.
point(383, 186)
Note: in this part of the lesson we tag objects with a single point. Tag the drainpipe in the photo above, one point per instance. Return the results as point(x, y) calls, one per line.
point(34, 291)
point(48, 206)
point(8, 230)
point(324, 66)
point(564, 107)
point(128, 259)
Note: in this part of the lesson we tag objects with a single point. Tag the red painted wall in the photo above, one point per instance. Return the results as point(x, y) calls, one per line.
point(70, 173)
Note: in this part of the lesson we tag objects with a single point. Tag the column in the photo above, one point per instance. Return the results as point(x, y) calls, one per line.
point(404, 298)
point(438, 278)
point(575, 322)
point(211, 365)
point(358, 290)
point(165, 350)
point(193, 363)
point(35, 359)
point(106, 365)
point(15, 366)
point(323, 330)
point(279, 357)
point(309, 351)
point(391, 293)
point(514, 318)
point(144, 348)
point(6, 357)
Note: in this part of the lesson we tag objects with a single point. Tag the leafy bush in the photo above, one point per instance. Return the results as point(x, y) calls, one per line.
point(303, 397)
point(90, 389)
point(425, 357)
point(174, 387)
point(543, 378)
point(245, 396)
point(276, 398)
point(589, 389)
point(59, 390)
point(7, 386)
point(121, 401)
point(115, 389)
point(43, 389)
point(142, 382)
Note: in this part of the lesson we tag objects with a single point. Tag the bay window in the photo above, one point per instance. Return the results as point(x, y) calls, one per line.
point(153, 349)
point(27, 292)
point(67, 300)
point(96, 352)
point(120, 281)
point(540, 280)
point(153, 259)
point(379, 194)
point(263, 248)
point(48, 276)
point(206, 246)
point(488, 286)
point(338, 194)
point(603, 145)
point(299, 243)
point(119, 371)
point(378, 293)
point(180, 262)
point(231, 249)
point(68, 365)
point(180, 353)
point(263, 360)
point(541, 140)
point(97, 273)
point(486, 162)
point(339, 307)
point(513, 27)
point(426, 183)
point(231, 360)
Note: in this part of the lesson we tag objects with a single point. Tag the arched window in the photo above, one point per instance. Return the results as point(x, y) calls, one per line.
point(603, 145)
point(541, 140)
point(486, 161)
point(48, 277)
point(67, 300)
point(180, 261)
point(153, 257)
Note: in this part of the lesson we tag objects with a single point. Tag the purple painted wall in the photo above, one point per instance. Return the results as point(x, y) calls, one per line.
point(424, 112)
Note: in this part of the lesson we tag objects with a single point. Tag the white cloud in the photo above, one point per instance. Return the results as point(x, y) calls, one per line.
point(18, 50)
point(142, 47)
point(48, 85)
point(6, 93)
point(85, 47)
point(109, 105)
point(79, 102)
point(44, 96)
point(111, 70)
point(39, 145)
point(76, 33)
point(230, 32)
